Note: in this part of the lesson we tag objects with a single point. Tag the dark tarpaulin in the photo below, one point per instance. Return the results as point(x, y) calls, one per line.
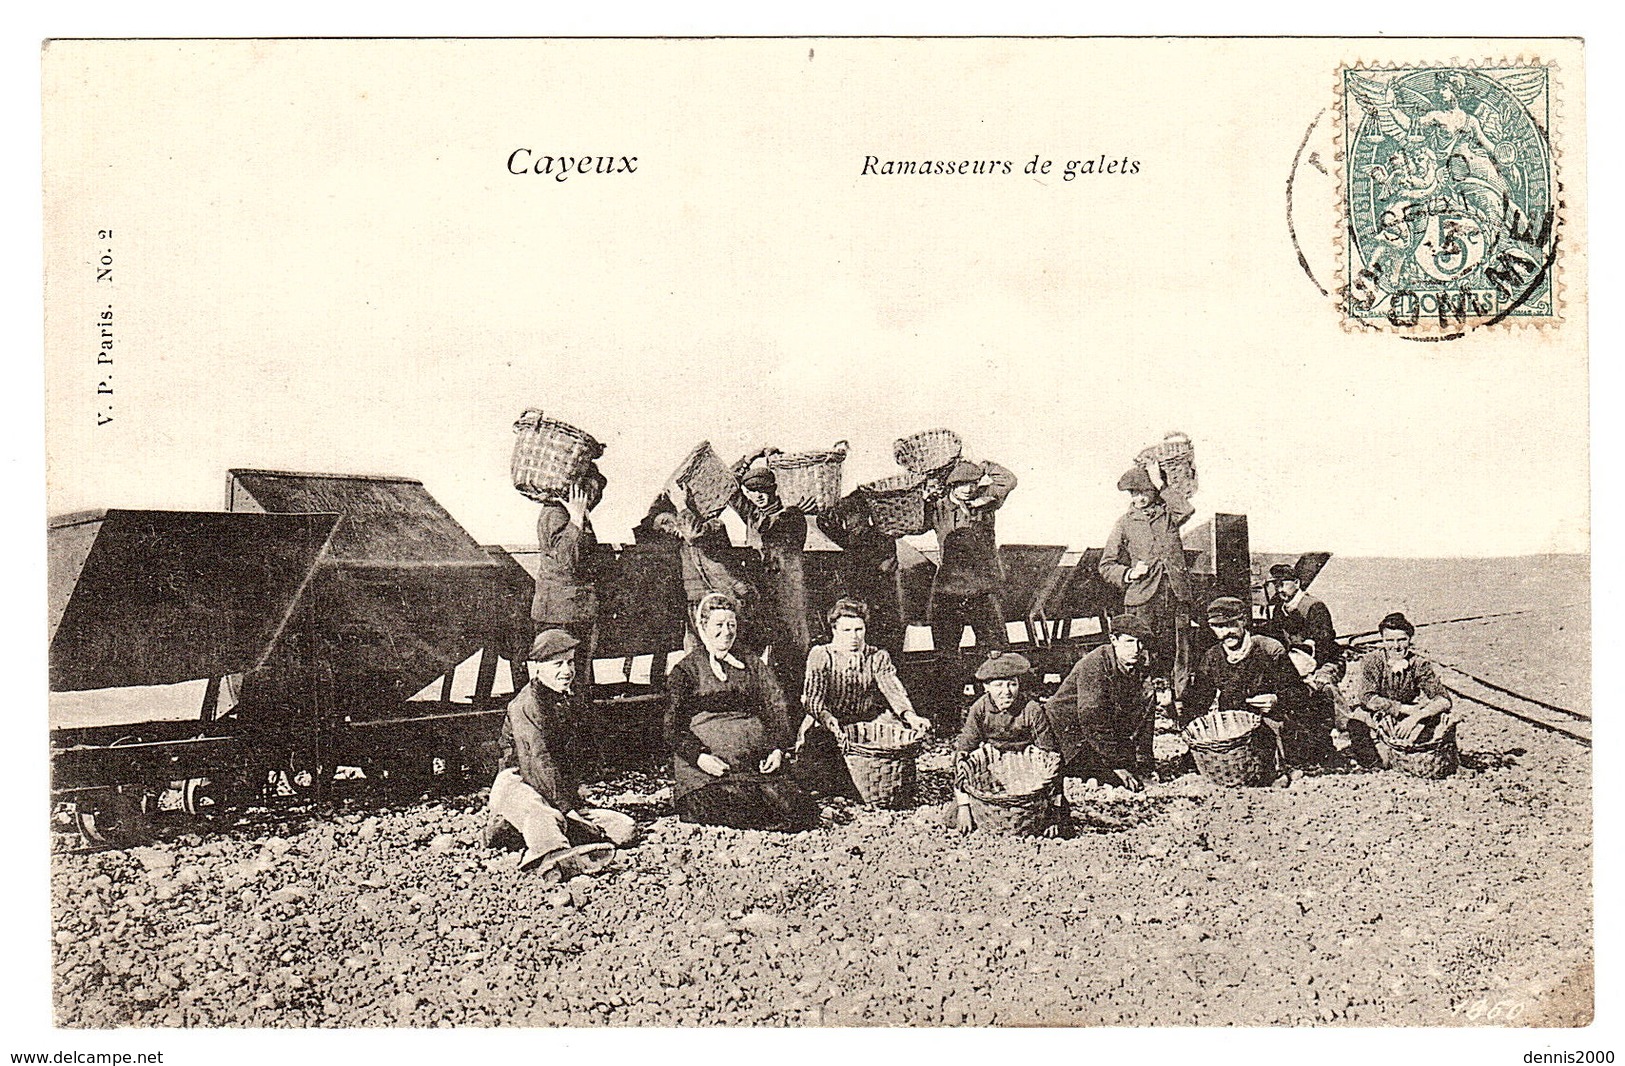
point(402, 594)
point(161, 597)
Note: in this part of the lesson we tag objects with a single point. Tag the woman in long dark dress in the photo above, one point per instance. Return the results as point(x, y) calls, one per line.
point(729, 729)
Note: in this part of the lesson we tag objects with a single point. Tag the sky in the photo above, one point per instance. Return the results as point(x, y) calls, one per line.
point(321, 262)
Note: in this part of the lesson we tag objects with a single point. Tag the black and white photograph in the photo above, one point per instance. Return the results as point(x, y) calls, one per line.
point(817, 532)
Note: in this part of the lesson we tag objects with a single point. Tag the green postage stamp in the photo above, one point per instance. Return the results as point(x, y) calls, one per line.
point(1452, 204)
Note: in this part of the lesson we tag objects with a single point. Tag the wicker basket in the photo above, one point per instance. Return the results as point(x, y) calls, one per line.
point(809, 475)
point(1011, 792)
point(1176, 455)
point(897, 504)
point(1233, 748)
point(1432, 759)
point(929, 450)
point(549, 456)
point(880, 758)
point(710, 482)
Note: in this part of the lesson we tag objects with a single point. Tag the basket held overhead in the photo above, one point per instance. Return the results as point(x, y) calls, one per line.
point(1233, 748)
point(897, 504)
point(1176, 455)
point(928, 450)
point(710, 482)
point(549, 456)
point(880, 757)
point(810, 475)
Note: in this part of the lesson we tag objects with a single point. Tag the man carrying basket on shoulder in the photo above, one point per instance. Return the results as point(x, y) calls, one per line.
point(566, 574)
point(963, 502)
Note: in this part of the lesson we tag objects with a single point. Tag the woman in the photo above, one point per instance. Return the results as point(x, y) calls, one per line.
point(867, 568)
point(847, 681)
point(728, 731)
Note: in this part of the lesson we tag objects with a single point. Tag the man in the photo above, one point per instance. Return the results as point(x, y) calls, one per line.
point(1145, 558)
point(1303, 625)
point(1399, 687)
point(963, 500)
point(999, 717)
point(566, 583)
point(1248, 671)
point(1104, 713)
point(537, 792)
point(778, 532)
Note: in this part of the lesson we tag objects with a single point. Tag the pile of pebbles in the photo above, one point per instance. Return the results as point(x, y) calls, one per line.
point(1357, 898)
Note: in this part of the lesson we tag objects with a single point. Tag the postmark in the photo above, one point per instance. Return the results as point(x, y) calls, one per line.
point(1450, 201)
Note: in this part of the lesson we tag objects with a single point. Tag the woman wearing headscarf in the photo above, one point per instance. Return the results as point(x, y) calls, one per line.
point(848, 681)
point(728, 729)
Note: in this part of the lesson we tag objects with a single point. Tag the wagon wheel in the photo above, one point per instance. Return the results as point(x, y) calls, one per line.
point(211, 799)
point(114, 817)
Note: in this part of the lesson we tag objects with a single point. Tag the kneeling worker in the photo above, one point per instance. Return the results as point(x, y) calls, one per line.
point(536, 792)
point(1001, 718)
point(1104, 714)
point(1248, 671)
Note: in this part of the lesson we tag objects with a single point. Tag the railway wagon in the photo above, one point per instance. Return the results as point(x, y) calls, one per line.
point(335, 629)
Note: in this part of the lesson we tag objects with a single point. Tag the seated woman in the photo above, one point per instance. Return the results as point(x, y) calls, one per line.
point(1400, 687)
point(847, 681)
point(1000, 717)
point(728, 731)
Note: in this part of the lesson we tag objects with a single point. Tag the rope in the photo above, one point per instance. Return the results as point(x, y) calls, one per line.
point(1368, 634)
point(1576, 715)
point(1549, 727)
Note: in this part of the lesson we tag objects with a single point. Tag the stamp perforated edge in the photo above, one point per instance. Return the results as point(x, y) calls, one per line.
point(1431, 330)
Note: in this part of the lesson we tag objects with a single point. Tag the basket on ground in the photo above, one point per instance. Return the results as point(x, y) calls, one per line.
point(1433, 759)
point(1011, 792)
point(929, 450)
point(897, 504)
point(710, 482)
point(549, 456)
point(880, 758)
point(809, 475)
point(1233, 748)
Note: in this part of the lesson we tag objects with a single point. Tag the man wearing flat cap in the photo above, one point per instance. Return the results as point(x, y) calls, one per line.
point(778, 532)
point(1247, 671)
point(963, 499)
point(536, 792)
point(1303, 625)
point(1398, 688)
point(1000, 717)
point(1104, 714)
point(1145, 558)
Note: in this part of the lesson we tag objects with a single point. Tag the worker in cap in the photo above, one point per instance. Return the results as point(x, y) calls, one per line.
point(568, 561)
point(1303, 625)
point(962, 500)
point(1397, 691)
point(1104, 714)
point(1247, 671)
point(1145, 558)
point(1001, 717)
point(536, 792)
point(777, 529)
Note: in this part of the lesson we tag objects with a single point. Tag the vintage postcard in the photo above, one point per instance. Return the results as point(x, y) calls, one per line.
point(813, 532)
